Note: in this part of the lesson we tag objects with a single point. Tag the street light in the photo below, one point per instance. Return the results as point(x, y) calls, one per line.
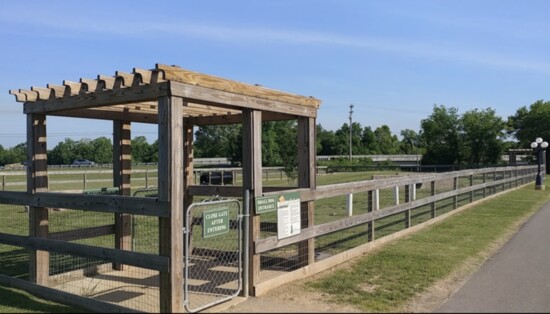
point(539, 146)
point(350, 130)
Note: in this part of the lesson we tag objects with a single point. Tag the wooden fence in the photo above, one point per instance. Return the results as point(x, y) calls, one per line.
point(452, 189)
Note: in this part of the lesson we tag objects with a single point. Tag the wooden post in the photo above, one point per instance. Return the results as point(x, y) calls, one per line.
point(188, 176)
point(432, 193)
point(146, 178)
point(84, 179)
point(455, 187)
point(37, 181)
point(170, 188)
point(484, 181)
point(122, 168)
point(471, 184)
point(252, 181)
point(349, 204)
point(370, 207)
point(307, 163)
point(3, 183)
point(408, 198)
point(396, 195)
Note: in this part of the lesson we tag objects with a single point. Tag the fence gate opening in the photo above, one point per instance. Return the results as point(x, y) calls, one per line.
point(213, 259)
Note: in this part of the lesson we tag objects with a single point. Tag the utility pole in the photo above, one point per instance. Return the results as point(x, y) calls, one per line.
point(350, 128)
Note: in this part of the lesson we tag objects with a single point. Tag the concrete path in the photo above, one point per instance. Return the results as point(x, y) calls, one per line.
point(516, 279)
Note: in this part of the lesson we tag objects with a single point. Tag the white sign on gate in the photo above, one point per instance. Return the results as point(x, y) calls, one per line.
point(288, 215)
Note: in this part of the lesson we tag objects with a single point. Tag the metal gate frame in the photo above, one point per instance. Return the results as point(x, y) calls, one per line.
point(215, 201)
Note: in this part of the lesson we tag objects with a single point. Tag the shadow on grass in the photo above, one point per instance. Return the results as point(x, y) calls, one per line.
point(17, 301)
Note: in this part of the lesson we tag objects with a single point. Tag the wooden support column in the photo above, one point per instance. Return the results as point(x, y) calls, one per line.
point(455, 187)
point(188, 176)
point(170, 190)
point(37, 181)
point(122, 168)
point(307, 164)
point(432, 193)
point(370, 207)
point(472, 192)
point(408, 198)
point(252, 181)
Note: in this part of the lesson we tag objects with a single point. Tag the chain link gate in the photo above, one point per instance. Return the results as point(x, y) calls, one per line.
point(213, 254)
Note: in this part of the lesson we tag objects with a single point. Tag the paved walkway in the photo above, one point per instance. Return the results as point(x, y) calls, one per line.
point(516, 279)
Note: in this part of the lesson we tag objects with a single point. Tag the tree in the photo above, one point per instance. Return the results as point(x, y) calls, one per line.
point(529, 123)
point(386, 142)
point(219, 141)
point(141, 150)
point(410, 142)
point(440, 134)
point(483, 135)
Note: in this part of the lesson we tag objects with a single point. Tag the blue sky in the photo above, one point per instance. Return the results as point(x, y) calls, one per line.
point(393, 59)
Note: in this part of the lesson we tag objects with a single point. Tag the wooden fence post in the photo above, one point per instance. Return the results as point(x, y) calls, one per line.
point(349, 204)
point(432, 193)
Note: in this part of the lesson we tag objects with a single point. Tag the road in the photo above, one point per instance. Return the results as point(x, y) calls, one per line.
point(516, 279)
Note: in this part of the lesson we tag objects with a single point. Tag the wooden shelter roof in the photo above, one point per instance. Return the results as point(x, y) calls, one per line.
point(134, 97)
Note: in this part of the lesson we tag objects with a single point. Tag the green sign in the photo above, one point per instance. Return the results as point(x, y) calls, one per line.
point(266, 204)
point(215, 222)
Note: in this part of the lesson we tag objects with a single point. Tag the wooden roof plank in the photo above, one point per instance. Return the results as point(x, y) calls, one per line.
point(43, 93)
point(58, 90)
point(173, 73)
point(128, 79)
point(29, 95)
point(93, 85)
point(19, 96)
point(75, 88)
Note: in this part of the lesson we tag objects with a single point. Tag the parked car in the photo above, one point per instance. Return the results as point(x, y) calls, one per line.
point(215, 178)
point(83, 162)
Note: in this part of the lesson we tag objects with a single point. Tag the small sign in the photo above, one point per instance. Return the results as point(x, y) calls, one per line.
point(215, 222)
point(266, 204)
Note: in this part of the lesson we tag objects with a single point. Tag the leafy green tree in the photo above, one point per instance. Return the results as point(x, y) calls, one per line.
point(410, 142)
point(368, 141)
point(141, 150)
point(102, 150)
point(63, 153)
point(483, 134)
point(529, 123)
point(440, 134)
point(218, 141)
point(387, 143)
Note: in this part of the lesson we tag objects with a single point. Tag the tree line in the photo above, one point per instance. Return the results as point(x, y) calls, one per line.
point(446, 137)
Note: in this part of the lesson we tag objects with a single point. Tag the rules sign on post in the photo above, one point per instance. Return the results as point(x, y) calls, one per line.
point(215, 222)
point(288, 215)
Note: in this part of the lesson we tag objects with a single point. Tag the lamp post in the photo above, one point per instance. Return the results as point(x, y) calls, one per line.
point(350, 131)
point(539, 146)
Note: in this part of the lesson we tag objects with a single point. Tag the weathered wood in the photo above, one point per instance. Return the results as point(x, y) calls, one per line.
point(270, 243)
point(62, 297)
point(209, 190)
point(219, 98)
point(84, 233)
point(37, 181)
point(98, 99)
point(178, 74)
point(433, 189)
point(122, 169)
point(171, 184)
point(252, 181)
point(306, 179)
point(143, 260)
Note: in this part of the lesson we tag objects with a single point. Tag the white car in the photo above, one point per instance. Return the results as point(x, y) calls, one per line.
point(83, 162)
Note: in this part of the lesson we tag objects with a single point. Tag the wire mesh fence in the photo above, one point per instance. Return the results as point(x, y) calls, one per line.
point(337, 213)
point(213, 266)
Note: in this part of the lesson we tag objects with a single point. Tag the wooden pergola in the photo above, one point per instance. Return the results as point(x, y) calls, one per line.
point(176, 100)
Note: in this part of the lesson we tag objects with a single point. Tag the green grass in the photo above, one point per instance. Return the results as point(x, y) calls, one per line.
point(386, 279)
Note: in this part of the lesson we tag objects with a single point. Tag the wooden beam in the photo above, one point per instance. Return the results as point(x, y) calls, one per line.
point(132, 94)
point(37, 181)
point(122, 169)
point(170, 189)
point(143, 260)
point(84, 233)
point(202, 95)
point(306, 179)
